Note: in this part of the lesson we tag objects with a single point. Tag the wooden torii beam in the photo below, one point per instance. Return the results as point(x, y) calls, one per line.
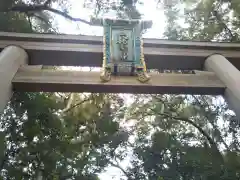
point(32, 79)
point(73, 50)
point(39, 49)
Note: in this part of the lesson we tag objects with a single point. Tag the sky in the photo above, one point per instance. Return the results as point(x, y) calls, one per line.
point(150, 11)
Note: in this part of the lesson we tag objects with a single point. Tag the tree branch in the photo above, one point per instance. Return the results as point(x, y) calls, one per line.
point(219, 19)
point(29, 21)
point(213, 125)
point(47, 2)
point(69, 107)
point(67, 16)
point(204, 133)
point(119, 167)
point(44, 7)
point(44, 21)
point(41, 18)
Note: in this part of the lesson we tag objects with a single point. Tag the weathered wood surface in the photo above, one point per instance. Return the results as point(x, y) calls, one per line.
point(32, 79)
point(73, 50)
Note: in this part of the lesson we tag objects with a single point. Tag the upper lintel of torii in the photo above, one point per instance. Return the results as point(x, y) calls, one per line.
point(81, 50)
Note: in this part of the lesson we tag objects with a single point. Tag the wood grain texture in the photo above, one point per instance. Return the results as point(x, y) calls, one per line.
point(30, 79)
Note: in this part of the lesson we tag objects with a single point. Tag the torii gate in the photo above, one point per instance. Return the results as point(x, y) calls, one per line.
point(216, 67)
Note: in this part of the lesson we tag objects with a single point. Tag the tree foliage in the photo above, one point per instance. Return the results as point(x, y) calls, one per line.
point(41, 142)
point(180, 137)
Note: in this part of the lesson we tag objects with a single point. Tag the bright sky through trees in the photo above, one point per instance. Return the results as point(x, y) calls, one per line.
point(150, 11)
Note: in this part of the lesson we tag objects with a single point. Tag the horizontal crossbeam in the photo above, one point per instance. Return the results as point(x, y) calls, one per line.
point(73, 50)
point(31, 79)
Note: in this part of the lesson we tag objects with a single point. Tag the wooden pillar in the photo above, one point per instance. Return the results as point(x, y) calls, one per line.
point(230, 76)
point(11, 58)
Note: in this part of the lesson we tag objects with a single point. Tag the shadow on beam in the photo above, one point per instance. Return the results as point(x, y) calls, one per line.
point(68, 58)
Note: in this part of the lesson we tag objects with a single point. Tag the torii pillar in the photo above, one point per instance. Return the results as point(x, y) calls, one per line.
point(230, 76)
point(11, 58)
